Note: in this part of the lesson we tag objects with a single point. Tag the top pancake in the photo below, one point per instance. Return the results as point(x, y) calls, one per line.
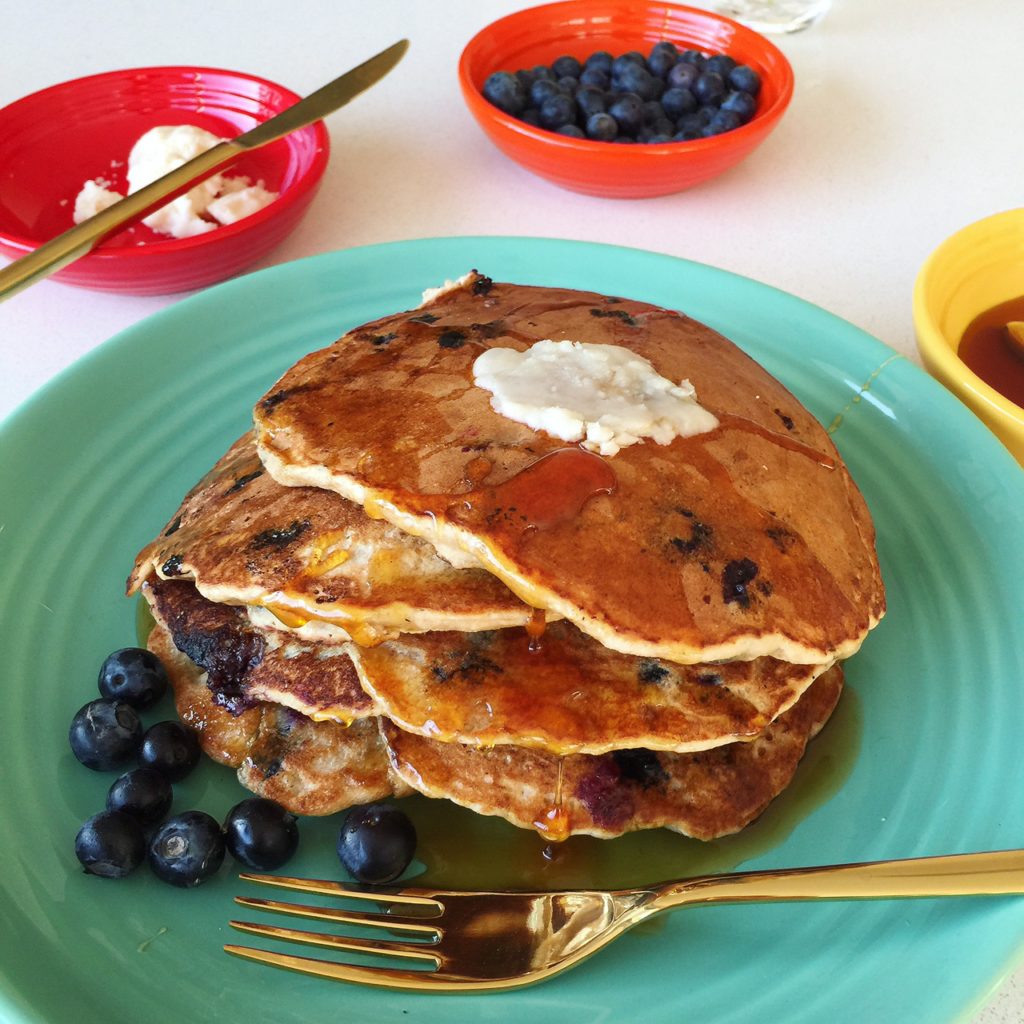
point(307, 554)
point(746, 541)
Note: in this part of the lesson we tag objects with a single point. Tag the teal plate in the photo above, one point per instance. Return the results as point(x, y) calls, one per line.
point(94, 463)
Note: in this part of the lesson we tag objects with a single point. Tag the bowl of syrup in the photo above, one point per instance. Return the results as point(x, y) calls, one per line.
point(968, 295)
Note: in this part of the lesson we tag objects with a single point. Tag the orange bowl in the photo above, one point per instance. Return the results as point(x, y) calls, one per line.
point(539, 35)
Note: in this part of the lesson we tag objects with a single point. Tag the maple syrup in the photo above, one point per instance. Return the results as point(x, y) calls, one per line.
point(987, 350)
point(535, 626)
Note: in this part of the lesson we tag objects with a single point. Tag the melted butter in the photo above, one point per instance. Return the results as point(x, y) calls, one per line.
point(327, 554)
point(466, 850)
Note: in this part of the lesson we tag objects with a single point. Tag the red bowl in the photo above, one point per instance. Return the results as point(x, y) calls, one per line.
point(54, 140)
point(578, 28)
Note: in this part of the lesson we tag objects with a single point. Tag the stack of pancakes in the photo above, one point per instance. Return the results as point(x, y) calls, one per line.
point(390, 587)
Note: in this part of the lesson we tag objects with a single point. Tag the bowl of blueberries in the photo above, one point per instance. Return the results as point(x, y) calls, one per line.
point(624, 99)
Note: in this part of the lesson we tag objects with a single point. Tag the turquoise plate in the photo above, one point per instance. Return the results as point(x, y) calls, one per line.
point(93, 464)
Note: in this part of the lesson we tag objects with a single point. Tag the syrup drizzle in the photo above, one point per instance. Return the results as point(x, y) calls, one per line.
point(554, 824)
point(730, 421)
point(535, 627)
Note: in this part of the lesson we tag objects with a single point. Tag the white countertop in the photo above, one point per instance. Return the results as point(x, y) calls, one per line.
point(905, 126)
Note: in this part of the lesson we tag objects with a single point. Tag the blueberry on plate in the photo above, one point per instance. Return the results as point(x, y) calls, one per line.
point(171, 748)
point(134, 675)
point(505, 91)
point(110, 844)
point(261, 833)
point(105, 733)
point(187, 849)
point(745, 79)
point(144, 793)
point(376, 843)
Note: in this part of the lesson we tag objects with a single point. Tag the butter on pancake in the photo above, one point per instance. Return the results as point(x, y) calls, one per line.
point(745, 541)
point(308, 558)
point(705, 795)
point(568, 694)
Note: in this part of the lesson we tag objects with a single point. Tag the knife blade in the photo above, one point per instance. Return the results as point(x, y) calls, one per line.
point(84, 237)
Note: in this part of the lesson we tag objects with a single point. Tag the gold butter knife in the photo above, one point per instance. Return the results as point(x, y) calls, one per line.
point(84, 237)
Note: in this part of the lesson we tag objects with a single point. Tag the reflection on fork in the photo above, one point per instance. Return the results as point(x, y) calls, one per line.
point(453, 941)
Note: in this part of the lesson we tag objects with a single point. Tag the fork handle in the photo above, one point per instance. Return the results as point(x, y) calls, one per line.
point(968, 874)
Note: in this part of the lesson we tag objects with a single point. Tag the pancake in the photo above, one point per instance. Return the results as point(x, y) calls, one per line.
point(705, 795)
point(566, 693)
point(748, 541)
point(244, 665)
point(307, 554)
point(309, 767)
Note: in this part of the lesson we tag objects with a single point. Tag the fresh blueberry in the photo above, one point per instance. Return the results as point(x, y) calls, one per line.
point(602, 127)
point(659, 137)
point(694, 57)
point(543, 89)
point(542, 71)
point(686, 136)
point(531, 116)
point(187, 849)
point(376, 843)
point(134, 675)
point(171, 748)
point(261, 834)
point(569, 85)
point(624, 61)
point(742, 104)
point(635, 78)
point(645, 133)
point(663, 56)
point(745, 79)
point(677, 102)
point(709, 88)
point(723, 121)
point(691, 124)
point(143, 793)
point(566, 66)
point(526, 77)
point(653, 110)
point(506, 92)
point(706, 112)
point(110, 844)
point(599, 60)
point(662, 126)
point(105, 733)
point(591, 100)
point(657, 87)
point(574, 131)
point(557, 110)
point(682, 75)
point(721, 63)
point(596, 77)
point(628, 111)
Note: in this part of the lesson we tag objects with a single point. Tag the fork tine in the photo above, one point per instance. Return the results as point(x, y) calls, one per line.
point(327, 887)
point(381, 977)
point(336, 915)
point(414, 951)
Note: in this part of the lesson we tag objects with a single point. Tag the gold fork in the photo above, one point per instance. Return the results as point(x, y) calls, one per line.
point(494, 940)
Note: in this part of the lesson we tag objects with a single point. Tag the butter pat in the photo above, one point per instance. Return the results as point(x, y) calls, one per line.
point(605, 396)
point(94, 198)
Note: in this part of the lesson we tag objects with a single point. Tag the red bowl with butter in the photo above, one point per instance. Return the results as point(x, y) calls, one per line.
point(578, 28)
point(53, 141)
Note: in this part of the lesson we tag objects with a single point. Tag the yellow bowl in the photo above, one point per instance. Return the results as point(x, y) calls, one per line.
point(979, 267)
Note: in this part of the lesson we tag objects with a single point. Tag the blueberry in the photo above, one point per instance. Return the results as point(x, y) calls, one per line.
point(105, 733)
point(261, 834)
point(663, 56)
point(659, 137)
point(574, 131)
point(542, 71)
point(635, 78)
point(694, 57)
point(376, 843)
point(721, 63)
point(568, 84)
point(187, 849)
point(591, 101)
point(691, 124)
point(525, 77)
point(543, 89)
point(653, 110)
point(531, 116)
point(706, 112)
point(682, 75)
point(143, 793)
point(134, 675)
point(745, 79)
point(624, 61)
point(602, 127)
point(644, 133)
point(628, 111)
point(709, 88)
point(557, 110)
point(677, 102)
point(171, 748)
point(566, 66)
point(599, 60)
point(110, 844)
point(506, 92)
point(662, 126)
point(740, 103)
point(723, 121)
point(686, 136)
point(596, 77)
